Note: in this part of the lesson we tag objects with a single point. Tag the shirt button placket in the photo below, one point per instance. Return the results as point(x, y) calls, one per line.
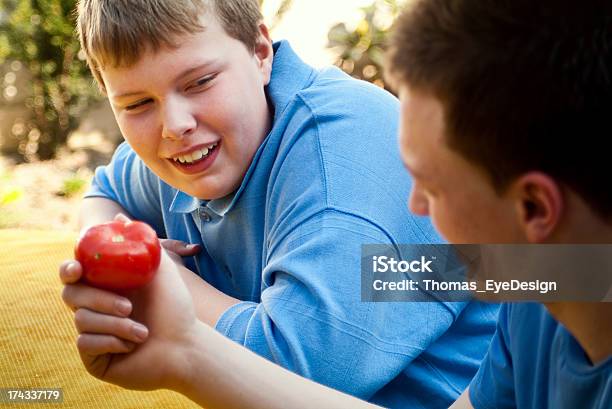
point(204, 215)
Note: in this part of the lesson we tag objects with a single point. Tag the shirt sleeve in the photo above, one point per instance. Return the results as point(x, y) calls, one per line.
point(493, 385)
point(127, 181)
point(311, 319)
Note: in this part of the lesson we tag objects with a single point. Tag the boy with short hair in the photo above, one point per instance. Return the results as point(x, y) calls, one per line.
point(512, 99)
point(280, 172)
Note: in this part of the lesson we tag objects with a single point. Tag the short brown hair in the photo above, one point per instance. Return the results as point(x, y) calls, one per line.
point(525, 85)
point(117, 32)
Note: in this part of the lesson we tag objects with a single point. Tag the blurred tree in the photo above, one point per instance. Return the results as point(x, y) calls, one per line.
point(40, 34)
point(361, 50)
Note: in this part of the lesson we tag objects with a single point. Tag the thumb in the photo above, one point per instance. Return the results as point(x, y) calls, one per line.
point(70, 271)
point(180, 247)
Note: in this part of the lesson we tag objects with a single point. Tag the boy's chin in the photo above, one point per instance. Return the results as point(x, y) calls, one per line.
point(210, 194)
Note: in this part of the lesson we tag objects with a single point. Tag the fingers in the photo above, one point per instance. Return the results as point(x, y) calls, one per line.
point(70, 271)
point(81, 296)
point(95, 344)
point(181, 248)
point(90, 322)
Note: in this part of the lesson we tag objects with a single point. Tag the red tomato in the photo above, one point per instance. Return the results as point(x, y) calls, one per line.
point(118, 256)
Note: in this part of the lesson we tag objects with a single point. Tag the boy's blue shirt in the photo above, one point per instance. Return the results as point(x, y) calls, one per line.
point(534, 362)
point(327, 179)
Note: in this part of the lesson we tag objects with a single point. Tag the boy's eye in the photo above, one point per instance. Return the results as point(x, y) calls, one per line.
point(201, 82)
point(137, 105)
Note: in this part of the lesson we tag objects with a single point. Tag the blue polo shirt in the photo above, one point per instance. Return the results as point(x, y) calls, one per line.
point(326, 179)
point(534, 362)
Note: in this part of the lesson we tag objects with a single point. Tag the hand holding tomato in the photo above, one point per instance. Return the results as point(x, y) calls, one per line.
point(133, 339)
point(118, 255)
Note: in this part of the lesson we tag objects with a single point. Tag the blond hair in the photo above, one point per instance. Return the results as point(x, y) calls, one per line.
point(117, 32)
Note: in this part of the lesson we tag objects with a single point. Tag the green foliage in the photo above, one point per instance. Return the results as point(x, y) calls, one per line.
point(8, 192)
point(361, 50)
point(73, 185)
point(40, 34)
point(9, 195)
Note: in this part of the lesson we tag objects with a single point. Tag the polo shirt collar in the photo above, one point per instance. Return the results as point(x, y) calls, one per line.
point(183, 203)
point(290, 75)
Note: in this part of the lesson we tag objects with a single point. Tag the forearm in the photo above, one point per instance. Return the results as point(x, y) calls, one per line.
point(96, 210)
point(219, 373)
point(209, 302)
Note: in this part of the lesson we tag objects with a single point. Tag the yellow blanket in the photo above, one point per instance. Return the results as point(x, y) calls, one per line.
point(37, 335)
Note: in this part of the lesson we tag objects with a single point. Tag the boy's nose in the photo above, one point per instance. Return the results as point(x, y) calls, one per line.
point(178, 121)
point(418, 203)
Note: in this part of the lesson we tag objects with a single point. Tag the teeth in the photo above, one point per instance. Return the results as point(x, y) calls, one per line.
point(195, 156)
point(198, 154)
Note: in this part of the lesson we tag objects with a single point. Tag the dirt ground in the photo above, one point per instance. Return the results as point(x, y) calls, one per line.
point(47, 193)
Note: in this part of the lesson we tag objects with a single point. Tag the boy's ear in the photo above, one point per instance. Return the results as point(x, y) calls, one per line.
point(540, 205)
point(264, 52)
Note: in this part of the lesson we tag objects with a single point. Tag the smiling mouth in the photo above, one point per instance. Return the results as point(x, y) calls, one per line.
point(196, 157)
point(198, 161)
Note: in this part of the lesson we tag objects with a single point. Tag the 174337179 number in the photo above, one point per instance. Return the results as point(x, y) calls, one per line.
point(34, 395)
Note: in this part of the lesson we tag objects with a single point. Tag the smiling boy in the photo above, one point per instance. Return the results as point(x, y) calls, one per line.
point(280, 172)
